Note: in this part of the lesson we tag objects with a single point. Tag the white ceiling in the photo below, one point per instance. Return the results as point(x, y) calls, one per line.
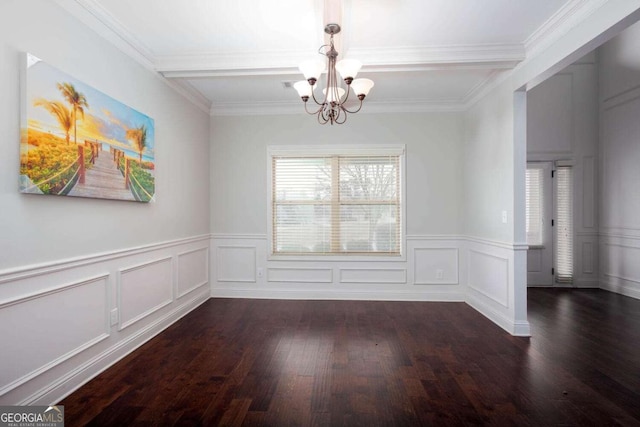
point(232, 57)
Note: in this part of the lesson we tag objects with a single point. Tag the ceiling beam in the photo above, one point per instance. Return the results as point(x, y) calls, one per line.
point(379, 60)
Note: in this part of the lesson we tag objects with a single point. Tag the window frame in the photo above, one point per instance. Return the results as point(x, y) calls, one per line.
point(337, 150)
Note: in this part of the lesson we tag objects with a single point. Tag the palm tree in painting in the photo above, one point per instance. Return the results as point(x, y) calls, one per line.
point(60, 112)
point(138, 136)
point(77, 101)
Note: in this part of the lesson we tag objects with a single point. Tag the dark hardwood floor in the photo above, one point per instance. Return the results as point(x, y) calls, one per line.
point(282, 363)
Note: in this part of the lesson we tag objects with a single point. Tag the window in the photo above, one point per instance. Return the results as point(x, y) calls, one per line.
point(564, 226)
point(534, 204)
point(336, 201)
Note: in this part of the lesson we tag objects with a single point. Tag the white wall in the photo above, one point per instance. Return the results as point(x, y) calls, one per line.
point(495, 136)
point(66, 263)
point(620, 162)
point(433, 195)
point(239, 164)
point(494, 256)
point(562, 124)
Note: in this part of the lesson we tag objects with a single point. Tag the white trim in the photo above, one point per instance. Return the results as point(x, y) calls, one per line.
point(68, 355)
point(505, 303)
point(338, 294)
point(329, 270)
point(568, 16)
point(340, 150)
point(217, 259)
point(379, 59)
point(35, 270)
point(402, 270)
point(123, 325)
point(66, 385)
point(621, 288)
point(296, 107)
point(198, 285)
point(224, 236)
point(437, 282)
point(516, 328)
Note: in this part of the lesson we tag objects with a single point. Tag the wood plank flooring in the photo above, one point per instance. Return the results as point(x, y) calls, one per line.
point(350, 363)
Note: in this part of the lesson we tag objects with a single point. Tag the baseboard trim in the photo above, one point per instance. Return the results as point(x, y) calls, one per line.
point(621, 289)
point(325, 294)
point(517, 328)
point(76, 378)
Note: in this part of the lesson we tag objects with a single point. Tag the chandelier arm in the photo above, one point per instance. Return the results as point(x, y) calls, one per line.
point(354, 111)
point(321, 118)
point(313, 95)
point(346, 97)
point(311, 112)
point(344, 115)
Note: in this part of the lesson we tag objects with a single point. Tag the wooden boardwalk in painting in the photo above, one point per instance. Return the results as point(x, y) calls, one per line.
point(103, 180)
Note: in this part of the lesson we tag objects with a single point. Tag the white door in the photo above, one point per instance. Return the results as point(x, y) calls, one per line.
point(539, 225)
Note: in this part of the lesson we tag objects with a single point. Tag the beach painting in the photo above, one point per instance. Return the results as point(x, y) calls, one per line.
point(76, 141)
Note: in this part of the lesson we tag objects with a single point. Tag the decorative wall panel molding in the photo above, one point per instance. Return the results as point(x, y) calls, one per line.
point(65, 317)
point(42, 330)
point(144, 289)
point(192, 270)
point(488, 274)
point(299, 275)
point(235, 263)
point(373, 275)
point(435, 266)
point(43, 269)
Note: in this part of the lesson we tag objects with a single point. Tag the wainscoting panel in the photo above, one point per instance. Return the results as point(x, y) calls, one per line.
point(235, 263)
point(64, 322)
point(620, 265)
point(586, 260)
point(300, 275)
point(144, 289)
point(50, 327)
point(435, 266)
point(495, 278)
point(489, 275)
point(373, 275)
point(193, 270)
point(453, 268)
point(255, 274)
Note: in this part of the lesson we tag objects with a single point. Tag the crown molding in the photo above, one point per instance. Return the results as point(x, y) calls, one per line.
point(567, 17)
point(96, 17)
point(431, 55)
point(184, 88)
point(171, 68)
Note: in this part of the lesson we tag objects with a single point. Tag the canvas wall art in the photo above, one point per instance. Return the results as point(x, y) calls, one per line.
point(76, 141)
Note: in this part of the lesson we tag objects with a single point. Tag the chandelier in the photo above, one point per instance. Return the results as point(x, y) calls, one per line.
point(332, 108)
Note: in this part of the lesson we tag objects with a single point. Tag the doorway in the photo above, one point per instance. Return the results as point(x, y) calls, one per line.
point(539, 205)
point(549, 223)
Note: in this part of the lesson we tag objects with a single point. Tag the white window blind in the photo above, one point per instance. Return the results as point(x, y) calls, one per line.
point(336, 204)
point(534, 204)
point(564, 224)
